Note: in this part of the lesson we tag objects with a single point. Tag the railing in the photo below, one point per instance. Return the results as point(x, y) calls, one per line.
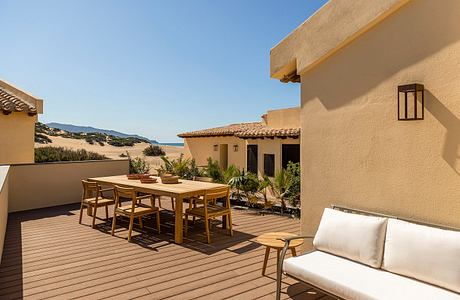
point(3, 205)
point(42, 185)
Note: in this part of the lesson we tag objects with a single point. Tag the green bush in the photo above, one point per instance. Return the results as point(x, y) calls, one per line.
point(42, 139)
point(154, 150)
point(50, 154)
point(213, 170)
point(137, 165)
point(184, 168)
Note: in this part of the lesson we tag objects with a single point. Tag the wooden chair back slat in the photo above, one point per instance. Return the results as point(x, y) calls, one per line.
point(90, 189)
point(123, 192)
point(203, 179)
point(216, 193)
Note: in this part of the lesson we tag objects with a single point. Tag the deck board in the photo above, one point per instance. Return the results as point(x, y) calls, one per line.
point(48, 255)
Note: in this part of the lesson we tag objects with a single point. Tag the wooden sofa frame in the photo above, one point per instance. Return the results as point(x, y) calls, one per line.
point(347, 210)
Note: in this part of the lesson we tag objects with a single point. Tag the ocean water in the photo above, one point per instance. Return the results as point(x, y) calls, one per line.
point(172, 144)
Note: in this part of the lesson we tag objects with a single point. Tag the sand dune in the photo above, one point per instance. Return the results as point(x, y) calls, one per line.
point(114, 152)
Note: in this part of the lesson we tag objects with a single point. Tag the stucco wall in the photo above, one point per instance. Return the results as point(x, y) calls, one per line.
point(3, 205)
point(284, 118)
point(43, 185)
point(203, 147)
point(17, 132)
point(269, 146)
point(355, 152)
point(331, 28)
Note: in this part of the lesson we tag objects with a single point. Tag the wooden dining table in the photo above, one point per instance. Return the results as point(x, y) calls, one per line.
point(178, 191)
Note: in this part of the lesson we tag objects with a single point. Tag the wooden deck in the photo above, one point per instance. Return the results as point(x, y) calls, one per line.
point(48, 255)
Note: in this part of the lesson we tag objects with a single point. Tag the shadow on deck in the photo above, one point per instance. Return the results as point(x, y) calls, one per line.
point(48, 254)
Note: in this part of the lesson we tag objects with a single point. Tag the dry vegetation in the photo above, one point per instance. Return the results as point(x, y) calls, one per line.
point(114, 152)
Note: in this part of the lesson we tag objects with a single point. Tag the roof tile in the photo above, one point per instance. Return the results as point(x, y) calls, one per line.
point(244, 130)
point(9, 103)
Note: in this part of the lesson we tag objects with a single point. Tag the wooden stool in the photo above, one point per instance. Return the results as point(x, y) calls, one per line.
point(272, 240)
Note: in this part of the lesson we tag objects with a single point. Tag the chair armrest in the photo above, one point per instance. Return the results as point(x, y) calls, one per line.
point(279, 272)
point(290, 238)
point(106, 190)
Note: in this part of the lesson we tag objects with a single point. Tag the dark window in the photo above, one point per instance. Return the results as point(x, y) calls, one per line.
point(269, 164)
point(252, 159)
point(290, 153)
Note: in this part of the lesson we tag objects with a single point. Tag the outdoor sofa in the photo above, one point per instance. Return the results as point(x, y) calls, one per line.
point(363, 255)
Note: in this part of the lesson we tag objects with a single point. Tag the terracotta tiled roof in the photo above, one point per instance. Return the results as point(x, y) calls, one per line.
point(270, 132)
point(11, 103)
point(244, 130)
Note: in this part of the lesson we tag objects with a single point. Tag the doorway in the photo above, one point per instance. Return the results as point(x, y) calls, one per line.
point(252, 165)
point(290, 152)
point(223, 161)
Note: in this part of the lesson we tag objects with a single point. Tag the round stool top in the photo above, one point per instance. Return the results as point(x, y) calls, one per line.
point(271, 239)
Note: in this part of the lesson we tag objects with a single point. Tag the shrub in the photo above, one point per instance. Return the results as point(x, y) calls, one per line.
point(213, 170)
point(42, 139)
point(154, 150)
point(137, 165)
point(232, 171)
point(50, 154)
point(248, 183)
point(184, 168)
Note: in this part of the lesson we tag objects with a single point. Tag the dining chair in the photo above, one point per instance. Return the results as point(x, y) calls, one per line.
point(209, 209)
point(135, 209)
point(93, 198)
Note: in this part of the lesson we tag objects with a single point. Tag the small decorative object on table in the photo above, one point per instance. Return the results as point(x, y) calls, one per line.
point(148, 180)
point(169, 179)
point(138, 176)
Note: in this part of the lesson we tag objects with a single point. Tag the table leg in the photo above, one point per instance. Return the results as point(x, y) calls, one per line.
point(267, 254)
point(178, 238)
point(294, 253)
point(224, 222)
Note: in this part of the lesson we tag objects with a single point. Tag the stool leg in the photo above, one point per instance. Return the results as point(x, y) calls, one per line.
point(264, 267)
point(277, 258)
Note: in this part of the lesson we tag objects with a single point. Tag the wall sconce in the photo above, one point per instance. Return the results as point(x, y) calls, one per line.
point(409, 109)
point(235, 148)
point(216, 147)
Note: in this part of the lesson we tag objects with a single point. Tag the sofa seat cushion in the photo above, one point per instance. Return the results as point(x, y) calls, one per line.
point(357, 237)
point(424, 253)
point(351, 280)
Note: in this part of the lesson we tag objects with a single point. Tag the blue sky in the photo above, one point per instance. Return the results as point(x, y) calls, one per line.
point(154, 68)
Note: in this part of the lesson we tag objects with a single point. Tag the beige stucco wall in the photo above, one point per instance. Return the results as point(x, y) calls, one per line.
point(43, 185)
point(202, 148)
point(17, 132)
point(3, 205)
point(269, 146)
point(284, 118)
point(327, 31)
point(355, 152)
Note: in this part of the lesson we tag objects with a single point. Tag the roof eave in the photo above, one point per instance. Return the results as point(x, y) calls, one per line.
point(331, 28)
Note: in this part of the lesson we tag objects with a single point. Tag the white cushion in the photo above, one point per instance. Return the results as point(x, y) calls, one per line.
point(351, 280)
point(353, 236)
point(422, 252)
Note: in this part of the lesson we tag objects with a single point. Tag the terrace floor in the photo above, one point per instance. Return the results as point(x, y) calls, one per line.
point(48, 255)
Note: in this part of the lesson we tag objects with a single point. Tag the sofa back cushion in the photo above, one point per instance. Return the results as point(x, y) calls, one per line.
point(425, 253)
point(353, 236)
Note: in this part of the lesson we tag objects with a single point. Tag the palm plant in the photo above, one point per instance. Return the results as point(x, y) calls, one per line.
point(262, 188)
point(281, 186)
point(231, 172)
